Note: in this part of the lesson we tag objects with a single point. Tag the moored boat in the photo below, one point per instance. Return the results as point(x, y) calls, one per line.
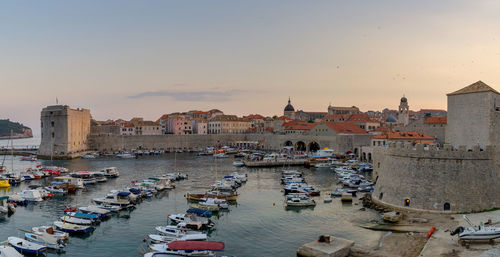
point(24, 246)
point(9, 251)
point(72, 228)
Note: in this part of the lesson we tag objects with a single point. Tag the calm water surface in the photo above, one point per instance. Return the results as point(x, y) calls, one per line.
point(258, 225)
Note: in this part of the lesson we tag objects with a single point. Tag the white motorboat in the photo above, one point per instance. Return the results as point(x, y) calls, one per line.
point(72, 228)
point(56, 191)
point(77, 221)
point(186, 248)
point(49, 242)
point(324, 153)
point(95, 209)
point(298, 202)
point(238, 164)
point(221, 203)
point(323, 165)
point(111, 172)
point(176, 231)
point(24, 246)
point(476, 232)
point(125, 155)
point(158, 239)
point(50, 231)
point(88, 156)
point(8, 251)
point(221, 155)
point(31, 195)
point(120, 199)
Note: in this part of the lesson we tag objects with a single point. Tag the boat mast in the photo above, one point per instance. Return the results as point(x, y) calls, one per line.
point(11, 151)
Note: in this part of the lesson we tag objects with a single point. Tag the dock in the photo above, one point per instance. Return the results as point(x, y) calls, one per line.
point(274, 163)
point(333, 247)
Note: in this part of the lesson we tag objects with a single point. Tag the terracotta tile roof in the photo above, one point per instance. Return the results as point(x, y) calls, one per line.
point(344, 127)
point(336, 117)
point(360, 117)
point(474, 88)
point(436, 120)
point(163, 117)
point(298, 125)
point(254, 117)
point(404, 135)
point(283, 118)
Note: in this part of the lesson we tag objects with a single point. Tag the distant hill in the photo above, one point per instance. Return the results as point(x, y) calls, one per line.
point(18, 129)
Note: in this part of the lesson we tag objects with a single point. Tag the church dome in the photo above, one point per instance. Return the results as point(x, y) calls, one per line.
point(390, 119)
point(404, 100)
point(289, 107)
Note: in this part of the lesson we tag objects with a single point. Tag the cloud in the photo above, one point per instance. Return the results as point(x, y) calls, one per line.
point(191, 96)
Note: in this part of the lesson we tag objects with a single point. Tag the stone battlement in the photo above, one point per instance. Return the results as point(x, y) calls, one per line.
point(435, 152)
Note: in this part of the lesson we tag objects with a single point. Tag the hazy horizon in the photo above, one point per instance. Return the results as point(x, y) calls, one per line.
point(124, 59)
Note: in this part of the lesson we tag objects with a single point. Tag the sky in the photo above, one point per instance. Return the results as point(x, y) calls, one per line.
point(124, 59)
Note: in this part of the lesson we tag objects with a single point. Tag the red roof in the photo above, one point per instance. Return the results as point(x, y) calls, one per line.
point(197, 245)
point(344, 127)
point(254, 117)
point(436, 120)
point(283, 118)
point(336, 117)
point(360, 117)
point(298, 125)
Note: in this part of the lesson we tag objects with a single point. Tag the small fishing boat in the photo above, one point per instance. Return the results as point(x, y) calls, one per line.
point(17, 200)
point(31, 158)
point(49, 242)
point(56, 191)
point(50, 231)
point(24, 246)
point(191, 221)
point(120, 199)
point(476, 232)
point(76, 221)
point(219, 195)
point(9, 251)
point(88, 156)
point(31, 195)
point(338, 192)
point(113, 208)
point(221, 203)
point(111, 172)
point(212, 208)
point(94, 209)
point(81, 215)
point(176, 231)
point(72, 228)
point(346, 197)
point(327, 200)
point(158, 239)
point(199, 212)
point(298, 202)
point(238, 164)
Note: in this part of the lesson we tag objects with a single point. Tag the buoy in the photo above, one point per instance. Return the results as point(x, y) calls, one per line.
point(431, 231)
point(144, 240)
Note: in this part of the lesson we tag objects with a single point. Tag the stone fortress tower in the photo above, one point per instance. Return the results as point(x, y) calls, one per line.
point(64, 131)
point(404, 112)
point(462, 175)
point(289, 111)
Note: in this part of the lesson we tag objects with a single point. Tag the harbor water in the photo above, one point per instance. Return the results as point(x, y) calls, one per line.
point(259, 225)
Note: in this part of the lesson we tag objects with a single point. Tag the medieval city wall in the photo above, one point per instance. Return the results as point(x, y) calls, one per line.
point(109, 143)
point(466, 179)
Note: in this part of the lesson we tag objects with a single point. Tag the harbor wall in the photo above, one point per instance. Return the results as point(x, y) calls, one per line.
point(466, 179)
point(110, 143)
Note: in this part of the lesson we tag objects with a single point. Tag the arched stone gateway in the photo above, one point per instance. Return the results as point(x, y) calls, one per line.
point(313, 146)
point(300, 146)
point(288, 143)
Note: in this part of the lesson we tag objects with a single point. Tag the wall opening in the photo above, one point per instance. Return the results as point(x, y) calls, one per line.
point(407, 202)
point(288, 143)
point(447, 206)
point(313, 146)
point(300, 146)
point(380, 196)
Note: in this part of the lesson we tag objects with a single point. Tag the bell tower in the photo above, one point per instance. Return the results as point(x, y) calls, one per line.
point(404, 112)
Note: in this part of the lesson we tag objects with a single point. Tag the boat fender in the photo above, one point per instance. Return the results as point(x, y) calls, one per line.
point(431, 232)
point(458, 230)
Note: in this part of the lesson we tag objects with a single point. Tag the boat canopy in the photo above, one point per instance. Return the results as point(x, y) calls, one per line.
point(4, 198)
point(123, 193)
point(135, 191)
point(197, 245)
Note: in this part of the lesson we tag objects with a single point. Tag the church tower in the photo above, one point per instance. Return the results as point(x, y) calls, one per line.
point(289, 110)
point(404, 112)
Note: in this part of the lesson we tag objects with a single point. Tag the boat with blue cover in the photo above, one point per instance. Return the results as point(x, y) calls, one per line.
point(24, 246)
point(82, 215)
point(200, 212)
point(49, 242)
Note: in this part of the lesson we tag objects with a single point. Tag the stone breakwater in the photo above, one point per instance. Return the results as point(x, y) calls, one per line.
point(433, 179)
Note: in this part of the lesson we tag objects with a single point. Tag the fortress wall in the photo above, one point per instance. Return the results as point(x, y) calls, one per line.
point(340, 143)
point(467, 180)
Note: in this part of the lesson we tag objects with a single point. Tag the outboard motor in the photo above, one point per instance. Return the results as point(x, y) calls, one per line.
point(458, 230)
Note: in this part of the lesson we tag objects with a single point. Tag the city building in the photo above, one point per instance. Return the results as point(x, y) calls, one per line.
point(228, 124)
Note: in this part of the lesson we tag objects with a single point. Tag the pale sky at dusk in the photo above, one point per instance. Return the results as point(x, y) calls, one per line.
point(144, 58)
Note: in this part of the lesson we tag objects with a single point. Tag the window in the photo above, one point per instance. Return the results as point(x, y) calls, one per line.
point(52, 134)
point(447, 206)
point(407, 202)
point(52, 124)
point(380, 196)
